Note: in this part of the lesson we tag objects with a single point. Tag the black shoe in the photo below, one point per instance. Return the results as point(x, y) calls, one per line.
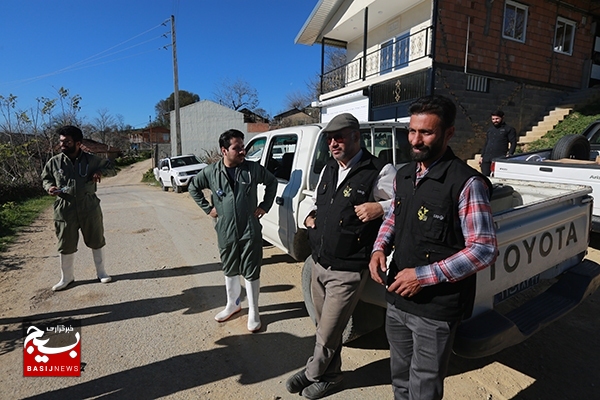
point(297, 382)
point(321, 389)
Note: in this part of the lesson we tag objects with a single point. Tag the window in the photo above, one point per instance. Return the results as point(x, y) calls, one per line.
point(401, 51)
point(564, 35)
point(476, 83)
point(255, 149)
point(515, 21)
point(386, 57)
point(394, 53)
point(281, 156)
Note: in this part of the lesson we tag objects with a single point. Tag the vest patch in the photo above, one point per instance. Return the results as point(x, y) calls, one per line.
point(347, 191)
point(422, 213)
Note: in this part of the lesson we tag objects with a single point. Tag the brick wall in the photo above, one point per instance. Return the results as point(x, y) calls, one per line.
point(490, 53)
point(523, 104)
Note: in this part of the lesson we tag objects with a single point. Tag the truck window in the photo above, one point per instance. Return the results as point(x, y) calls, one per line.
point(380, 144)
point(255, 148)
point(321, 157)
point(281, 156)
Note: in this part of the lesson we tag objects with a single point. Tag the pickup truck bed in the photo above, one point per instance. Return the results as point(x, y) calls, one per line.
point(543, 233)
point(539, 167)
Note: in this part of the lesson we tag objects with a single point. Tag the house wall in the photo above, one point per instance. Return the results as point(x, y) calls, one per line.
point(201, 124)
point(490, 53)
point(523, 105)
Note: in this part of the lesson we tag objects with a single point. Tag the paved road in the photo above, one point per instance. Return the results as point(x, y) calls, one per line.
point(151, 334)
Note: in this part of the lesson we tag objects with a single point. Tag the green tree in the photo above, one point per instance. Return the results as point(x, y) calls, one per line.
point(164, 107)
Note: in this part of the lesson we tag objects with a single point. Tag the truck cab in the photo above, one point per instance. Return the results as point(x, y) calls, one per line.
point(296, 156)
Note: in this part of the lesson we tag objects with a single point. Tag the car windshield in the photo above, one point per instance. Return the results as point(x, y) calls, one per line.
point(183, 161)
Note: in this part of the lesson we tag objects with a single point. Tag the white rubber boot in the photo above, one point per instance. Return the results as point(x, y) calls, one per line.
point(99, 262)
point(234, 289)
point(253, 290)
point(66, 271)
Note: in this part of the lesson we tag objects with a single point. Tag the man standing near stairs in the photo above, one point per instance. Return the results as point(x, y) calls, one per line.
point(497, 142)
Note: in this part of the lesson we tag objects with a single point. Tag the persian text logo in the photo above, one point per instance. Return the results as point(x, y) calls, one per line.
point(52, 349)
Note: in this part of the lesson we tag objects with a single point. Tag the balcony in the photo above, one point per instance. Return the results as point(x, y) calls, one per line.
point(394, 55)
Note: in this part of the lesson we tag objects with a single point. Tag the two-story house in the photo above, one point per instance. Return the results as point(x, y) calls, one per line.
point(520, 56)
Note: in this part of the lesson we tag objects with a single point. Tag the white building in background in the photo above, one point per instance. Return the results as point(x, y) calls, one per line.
point(201, 124)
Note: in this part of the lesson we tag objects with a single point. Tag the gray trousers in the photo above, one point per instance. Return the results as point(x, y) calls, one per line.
point(420, 350)
point(335, 294)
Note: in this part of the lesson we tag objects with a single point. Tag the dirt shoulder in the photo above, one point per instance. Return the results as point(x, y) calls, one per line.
point(151, 333)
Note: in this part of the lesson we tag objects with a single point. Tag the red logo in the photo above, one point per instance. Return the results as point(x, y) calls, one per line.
point(52, 350)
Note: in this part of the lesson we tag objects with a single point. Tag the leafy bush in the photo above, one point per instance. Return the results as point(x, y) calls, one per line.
point(148, 176)
point(132, 158)
point(19, 191)
point(210, 156)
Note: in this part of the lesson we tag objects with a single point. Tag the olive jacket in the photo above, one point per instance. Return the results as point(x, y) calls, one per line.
point(235, 205)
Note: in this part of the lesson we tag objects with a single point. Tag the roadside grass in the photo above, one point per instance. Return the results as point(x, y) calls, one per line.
point(148, 177)
point(574, 123)
point(14, 215)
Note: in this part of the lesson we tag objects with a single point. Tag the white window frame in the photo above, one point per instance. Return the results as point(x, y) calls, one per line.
point(516, 8)
point(559, 43)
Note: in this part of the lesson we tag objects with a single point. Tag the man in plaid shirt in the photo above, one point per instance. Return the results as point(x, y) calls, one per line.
point(440, 226)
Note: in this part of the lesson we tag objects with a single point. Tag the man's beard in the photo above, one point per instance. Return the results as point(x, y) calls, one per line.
point(426, 153)
point(69, 151)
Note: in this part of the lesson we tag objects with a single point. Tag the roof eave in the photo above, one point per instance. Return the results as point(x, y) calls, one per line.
point(312, 30)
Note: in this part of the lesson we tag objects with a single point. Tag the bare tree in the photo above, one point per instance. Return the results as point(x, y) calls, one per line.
point(298, 99)
point(237, 95)
point(104, 126)
point(334, 76)
point(69, 106)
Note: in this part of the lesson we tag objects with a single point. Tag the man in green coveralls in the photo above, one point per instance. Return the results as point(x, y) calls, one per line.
point(72, 176)
point(233, 182)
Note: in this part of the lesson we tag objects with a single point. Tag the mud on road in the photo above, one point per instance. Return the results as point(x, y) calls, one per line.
point(151, 334)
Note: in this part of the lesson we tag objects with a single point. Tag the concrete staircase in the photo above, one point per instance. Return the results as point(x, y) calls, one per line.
point(584, 96)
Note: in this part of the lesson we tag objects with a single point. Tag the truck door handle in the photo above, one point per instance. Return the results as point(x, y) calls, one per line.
point(279, 200)
point(545, 169)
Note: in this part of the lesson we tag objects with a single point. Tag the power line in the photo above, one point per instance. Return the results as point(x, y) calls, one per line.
point(82, 64)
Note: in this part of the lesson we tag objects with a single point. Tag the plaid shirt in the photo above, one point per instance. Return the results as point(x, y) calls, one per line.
point(477, 226)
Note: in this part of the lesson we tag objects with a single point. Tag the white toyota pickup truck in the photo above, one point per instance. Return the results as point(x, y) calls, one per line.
point(176, 172)
point(574, 159)
point(542, 229)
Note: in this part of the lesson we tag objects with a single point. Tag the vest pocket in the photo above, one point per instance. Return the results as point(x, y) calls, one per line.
point(349, 241)
point(432, 220)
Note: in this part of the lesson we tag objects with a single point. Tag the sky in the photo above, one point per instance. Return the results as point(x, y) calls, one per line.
point(111, 52)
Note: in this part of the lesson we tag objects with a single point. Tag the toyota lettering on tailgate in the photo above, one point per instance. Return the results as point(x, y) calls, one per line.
point(535, 248)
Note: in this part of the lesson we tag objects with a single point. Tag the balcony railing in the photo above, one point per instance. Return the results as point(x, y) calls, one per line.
point(394, 55)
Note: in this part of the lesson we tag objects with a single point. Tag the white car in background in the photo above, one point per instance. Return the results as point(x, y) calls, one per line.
point(176, 172)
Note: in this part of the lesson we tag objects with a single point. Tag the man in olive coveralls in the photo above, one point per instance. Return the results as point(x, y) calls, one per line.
point(233, 182)
point(72, 176)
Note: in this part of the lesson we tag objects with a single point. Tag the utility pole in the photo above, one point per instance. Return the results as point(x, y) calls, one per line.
point(176, 91)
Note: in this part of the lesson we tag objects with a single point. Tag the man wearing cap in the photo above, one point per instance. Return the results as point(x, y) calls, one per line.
point(497, 141)
point(354, 191)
